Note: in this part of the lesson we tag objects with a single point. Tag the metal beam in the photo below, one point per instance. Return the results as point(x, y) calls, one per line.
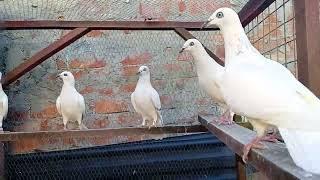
point(20, 136)
point(274, 162)
point(101, 25)
point(182, 32)
point(308, 43)
point(44, 54)
point(252, 9)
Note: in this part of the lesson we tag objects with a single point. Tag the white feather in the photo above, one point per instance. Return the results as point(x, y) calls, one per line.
point(145, 99)
point(70, 104)
point(262, 89)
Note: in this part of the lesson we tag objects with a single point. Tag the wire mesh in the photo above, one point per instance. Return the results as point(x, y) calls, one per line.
point(273, 33)
point(182, 10)
point(199, 156)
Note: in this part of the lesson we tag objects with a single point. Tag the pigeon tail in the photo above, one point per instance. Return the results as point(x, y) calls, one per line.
point(303, 147)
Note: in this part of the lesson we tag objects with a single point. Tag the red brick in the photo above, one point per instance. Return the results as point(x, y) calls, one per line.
point(106, 91)
point(137, 59)
point(184, 57)
point(26, 145)
point(128, 87)
point(48, 112)
point(44, 125)
point(126, 120)
point(110, 106)
point(166, 100)
point(61, 64)
point(172, 67)
point(129, 70)
point(78, 64)
point(17, 115)
point(101, 123)
point(78, 74)
point(87, 89)
point(95, 33)
point(182, 6)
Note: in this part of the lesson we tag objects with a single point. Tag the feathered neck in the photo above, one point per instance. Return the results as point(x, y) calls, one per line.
point(236, 41)
point(203, 60)
point(68, 84)
point(144, 79)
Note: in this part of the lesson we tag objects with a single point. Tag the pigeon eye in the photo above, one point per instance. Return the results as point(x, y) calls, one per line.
point(144, 69)
point(65, 74)
point(219, 15)
point(191, 44)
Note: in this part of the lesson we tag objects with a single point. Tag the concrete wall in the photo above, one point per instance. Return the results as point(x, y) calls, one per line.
point(104, 64)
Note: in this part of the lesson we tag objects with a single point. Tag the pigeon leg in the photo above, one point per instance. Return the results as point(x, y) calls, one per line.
point(255, 143)
point(226, 118)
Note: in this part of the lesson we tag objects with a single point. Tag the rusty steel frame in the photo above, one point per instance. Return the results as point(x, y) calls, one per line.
point(308, 43)
point(44, 54)
point(19, 136)
point(102, 25)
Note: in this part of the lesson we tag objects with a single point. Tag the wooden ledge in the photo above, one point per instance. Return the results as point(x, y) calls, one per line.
point(274, 161)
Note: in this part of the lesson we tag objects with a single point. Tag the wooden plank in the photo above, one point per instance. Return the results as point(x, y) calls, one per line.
point(274, 161)
point(185, 34)
point(252, 9)
point(102, 25)
point(308, 43)
point(44, 54)
point(20, 136)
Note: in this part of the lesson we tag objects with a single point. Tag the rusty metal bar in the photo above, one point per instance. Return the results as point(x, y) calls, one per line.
point(18, 136)
point(274, 162)
point(252, 9)
point(102, 25)
point(185, 34)
point(44, 54)
point(308, 43)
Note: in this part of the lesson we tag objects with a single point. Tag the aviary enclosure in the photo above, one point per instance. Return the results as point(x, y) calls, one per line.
point(103, 43)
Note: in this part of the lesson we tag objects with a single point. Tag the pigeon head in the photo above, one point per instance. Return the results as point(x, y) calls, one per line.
point(67, 77)
point(222, 17)
point(190, 45)
point(143, 71)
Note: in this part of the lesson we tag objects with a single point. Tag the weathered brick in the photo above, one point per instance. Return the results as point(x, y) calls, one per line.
point(129, 120)
point(128, 87)
point(80, 64)
point(87, 90)
point(182, 6)
point(106, 91)
point(61, 64)
point(129, 70)
point(110, 106)
point(48, 112)
point(137, 59)
point(95, 33)
point(100, 123)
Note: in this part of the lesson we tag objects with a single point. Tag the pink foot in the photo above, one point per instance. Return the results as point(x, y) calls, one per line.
point(225, 119)
point(255, 143)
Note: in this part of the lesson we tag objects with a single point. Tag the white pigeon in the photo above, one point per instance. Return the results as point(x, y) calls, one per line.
point(3, 105)
point(209, 71)
point(266, 91)
point(145, 99)
point(70, 104)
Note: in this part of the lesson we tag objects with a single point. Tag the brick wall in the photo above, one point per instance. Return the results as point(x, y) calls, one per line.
point(104, 64)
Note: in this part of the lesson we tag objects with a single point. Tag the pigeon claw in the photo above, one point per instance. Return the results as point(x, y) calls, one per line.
point(255, 143)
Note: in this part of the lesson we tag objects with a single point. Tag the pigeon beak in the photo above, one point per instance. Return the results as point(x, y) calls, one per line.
point(205, 24)
point(181, 50)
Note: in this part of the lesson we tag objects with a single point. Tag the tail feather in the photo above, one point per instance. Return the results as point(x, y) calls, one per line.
point(303, 147)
